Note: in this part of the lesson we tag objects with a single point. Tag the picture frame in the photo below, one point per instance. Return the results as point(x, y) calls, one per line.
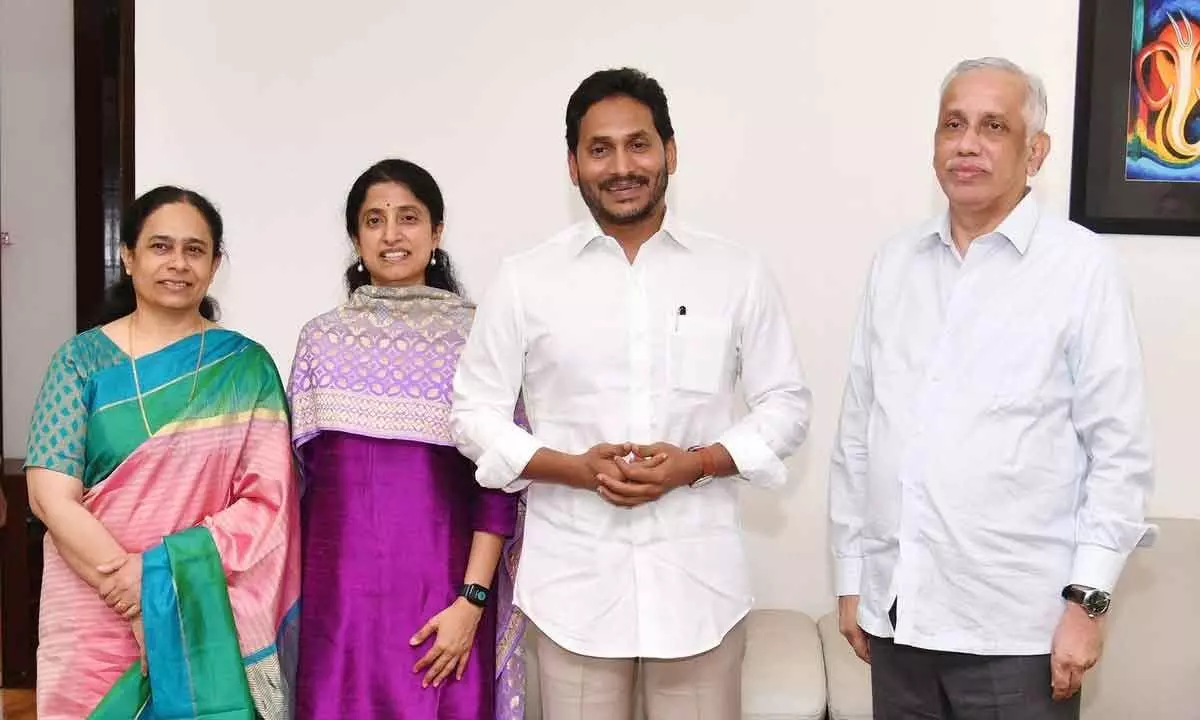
point(1136, 155)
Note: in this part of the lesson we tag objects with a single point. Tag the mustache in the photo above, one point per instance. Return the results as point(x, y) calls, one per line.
point(967, 165)
point(612, 182)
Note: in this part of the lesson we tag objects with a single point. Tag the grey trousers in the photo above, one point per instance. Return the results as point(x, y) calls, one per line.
point(910, 683)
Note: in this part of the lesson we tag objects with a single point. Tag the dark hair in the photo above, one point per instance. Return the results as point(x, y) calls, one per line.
point(120, 299)
point(604, 84)
point(422, 185)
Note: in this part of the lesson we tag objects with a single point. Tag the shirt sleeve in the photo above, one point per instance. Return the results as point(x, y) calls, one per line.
point(1108, 409)
point(486, 386)
point(58, 431)
point(848, 464)
point(774, 386)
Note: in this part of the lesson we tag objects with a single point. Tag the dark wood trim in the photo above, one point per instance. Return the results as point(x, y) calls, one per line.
point(89, 203)
point(128, 114)
point(104, 144)
point(20, 588)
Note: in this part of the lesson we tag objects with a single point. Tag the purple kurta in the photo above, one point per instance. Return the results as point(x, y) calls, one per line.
point(387, 532)
point(389, 511)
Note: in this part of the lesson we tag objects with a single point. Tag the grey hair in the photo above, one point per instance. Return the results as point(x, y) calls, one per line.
point(1035, 92)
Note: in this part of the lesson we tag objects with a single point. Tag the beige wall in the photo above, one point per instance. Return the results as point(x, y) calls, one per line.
point(37, 199)
point(803, 128)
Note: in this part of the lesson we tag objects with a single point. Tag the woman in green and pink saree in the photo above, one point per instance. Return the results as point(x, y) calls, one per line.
point(160, 461)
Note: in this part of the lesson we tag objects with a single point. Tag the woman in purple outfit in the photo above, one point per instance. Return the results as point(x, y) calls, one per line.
point(404, 612)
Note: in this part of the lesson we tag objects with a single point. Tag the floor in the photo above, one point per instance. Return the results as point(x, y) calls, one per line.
point(18, 705)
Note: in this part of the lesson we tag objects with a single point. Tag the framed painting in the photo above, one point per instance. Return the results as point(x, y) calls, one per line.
point(1136, 162)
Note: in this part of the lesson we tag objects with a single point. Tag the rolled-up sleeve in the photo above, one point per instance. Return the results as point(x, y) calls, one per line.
point(495, 512)
point(773, 382)
point(487, 384)
point(1109, 412)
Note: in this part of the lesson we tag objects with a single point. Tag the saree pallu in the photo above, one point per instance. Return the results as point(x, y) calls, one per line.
point(511, 626)
point(209, 499)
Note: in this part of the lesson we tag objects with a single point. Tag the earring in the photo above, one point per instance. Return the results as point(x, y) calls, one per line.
point(433, 258)
point(360, 267)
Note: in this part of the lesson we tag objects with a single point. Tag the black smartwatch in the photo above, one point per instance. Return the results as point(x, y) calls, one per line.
point(477, 595)
point(1094, 602)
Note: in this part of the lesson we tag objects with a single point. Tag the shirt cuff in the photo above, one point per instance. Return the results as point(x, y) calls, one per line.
point(500, 467)
point(1097, 567)
point(847, 576)
point(755, 460)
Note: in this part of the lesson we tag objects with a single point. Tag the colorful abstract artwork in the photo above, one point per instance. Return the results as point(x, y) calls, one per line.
point(1164, 108)
point(1135, 167)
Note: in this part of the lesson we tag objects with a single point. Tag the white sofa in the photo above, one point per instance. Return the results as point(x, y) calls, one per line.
point(1150, 669)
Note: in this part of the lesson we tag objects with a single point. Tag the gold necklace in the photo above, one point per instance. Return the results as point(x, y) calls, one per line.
point(137, 383)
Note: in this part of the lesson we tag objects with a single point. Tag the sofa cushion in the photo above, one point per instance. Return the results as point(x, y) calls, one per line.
point(849, 679)
point(783, 675)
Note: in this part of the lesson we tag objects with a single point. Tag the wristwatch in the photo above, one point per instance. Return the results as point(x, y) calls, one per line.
point(707, 471)
point(477, 595)
point(1095, 602)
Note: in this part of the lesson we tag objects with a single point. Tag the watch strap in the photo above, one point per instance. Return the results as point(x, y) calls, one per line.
point(1074, 593)
point(1094, 602)
point(475, 594)
point(708, 465)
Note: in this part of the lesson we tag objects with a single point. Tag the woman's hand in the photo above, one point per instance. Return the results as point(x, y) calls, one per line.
point(139, 634)
point(455, 628)
point(121, 587)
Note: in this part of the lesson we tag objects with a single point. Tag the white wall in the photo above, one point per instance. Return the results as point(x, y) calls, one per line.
point(803, 128)
point(37, 199)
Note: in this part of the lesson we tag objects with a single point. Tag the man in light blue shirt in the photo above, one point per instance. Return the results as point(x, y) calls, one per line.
point(992, 463)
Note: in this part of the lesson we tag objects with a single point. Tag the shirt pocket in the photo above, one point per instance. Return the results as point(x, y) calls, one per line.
point(1023, 360)
point(700, 355)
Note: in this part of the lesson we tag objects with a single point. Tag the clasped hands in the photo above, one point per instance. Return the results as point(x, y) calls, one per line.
point(121, 590)
point(121, 587)
point(629, 475)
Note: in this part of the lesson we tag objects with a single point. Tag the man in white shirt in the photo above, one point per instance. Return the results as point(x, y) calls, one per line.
point(625, 336)
point(992, 463)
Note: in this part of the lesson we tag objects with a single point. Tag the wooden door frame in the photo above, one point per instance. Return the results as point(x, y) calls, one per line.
point(104, 144)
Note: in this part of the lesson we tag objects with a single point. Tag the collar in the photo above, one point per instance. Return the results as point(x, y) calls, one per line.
point(589, 232)
point(1017, 227)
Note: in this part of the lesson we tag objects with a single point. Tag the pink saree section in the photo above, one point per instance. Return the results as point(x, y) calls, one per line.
point(232, 474)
